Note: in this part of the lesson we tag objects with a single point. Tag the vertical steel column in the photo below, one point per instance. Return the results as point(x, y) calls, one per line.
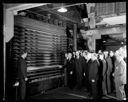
point(75, 38)
point(4, 58)
point(4, 71)
point(8, 34)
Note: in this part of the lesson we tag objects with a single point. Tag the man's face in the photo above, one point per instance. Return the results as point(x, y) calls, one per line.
point(93, 57)
point(101, 57)
point(106, 54)
point(66, 55)
point(117, 55)
point(77, 53)
point(88, 56)
point(84, 54)
point(99, 51)
point(69, 55)
point(111, 53)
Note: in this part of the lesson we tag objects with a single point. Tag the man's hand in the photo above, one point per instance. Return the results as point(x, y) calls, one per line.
point(93, 80)
point(26, 79)
point(71, 72)
point(16, 84)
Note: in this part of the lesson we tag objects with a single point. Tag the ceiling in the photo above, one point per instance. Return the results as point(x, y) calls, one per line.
point(75, 12)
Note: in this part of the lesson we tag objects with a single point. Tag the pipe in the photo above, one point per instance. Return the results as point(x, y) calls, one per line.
point(4, 71)
point(4, 59)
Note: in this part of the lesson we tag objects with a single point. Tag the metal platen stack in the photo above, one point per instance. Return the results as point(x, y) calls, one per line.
point(46, 45)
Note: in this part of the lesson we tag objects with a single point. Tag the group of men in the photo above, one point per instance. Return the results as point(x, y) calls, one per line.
point(100, 73)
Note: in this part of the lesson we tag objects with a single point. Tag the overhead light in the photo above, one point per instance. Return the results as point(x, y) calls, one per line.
point(62, 9)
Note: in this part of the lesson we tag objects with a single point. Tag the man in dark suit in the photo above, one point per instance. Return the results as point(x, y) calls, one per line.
point(70, 71)
point(78, 70)
point(93, 76)
point(100, 74)
point(109, 73)
point(89, 62)
point(64, 68)
point(113, 58)
point(85, 69)
point(22, 75)
point(103, 74)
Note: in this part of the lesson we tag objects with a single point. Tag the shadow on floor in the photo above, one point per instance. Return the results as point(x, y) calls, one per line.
point(63, 93)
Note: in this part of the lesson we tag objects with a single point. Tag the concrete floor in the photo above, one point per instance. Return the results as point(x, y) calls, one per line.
point(65, 93)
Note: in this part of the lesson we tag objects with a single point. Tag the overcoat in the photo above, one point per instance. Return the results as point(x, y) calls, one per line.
point(109, 74)
point(93, 75)
point(70, 77)
point(120, 79)
point(78, 70)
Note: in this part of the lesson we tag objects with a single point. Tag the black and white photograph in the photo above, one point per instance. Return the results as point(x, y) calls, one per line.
point(64, 51)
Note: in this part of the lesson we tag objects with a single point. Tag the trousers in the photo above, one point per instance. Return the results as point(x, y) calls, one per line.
point(120, 92)
point(22, 89)
point(94, 89)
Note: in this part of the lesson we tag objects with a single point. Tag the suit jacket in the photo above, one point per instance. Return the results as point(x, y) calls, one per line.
point(65, 64)
point(93, 70)
point(85, 67)
point(113, 58)
point(104, 72)
point(22, 68)
point(83, 63)
point(100, 69)
point(109, 65)
point(88, 67)
point(120, 72)
point(70, 65)
point(78, 66)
